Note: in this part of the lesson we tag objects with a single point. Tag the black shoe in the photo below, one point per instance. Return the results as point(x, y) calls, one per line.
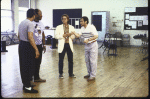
point(87, 76)
point(31, 86)
point(61, 76)
point(29, 90)
point(73, 76)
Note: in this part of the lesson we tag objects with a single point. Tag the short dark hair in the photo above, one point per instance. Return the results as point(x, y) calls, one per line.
point(85, 19)
point(36, 11)
point(66, 16)
point(30, 13)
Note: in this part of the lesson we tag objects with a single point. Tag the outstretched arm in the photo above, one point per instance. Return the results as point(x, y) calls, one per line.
point(76, 34)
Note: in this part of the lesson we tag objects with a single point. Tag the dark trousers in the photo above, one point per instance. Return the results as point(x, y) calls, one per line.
point(26, 60)
point(38, 63)
point(70, 59)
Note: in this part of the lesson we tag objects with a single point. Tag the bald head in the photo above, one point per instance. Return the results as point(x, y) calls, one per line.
point(38, 15)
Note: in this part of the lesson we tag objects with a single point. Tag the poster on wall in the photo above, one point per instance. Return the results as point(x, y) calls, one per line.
point(139, 23)
point(130, 9)
point(127, 16)
point(127, 22)
point(145, 20)
point(132, 24)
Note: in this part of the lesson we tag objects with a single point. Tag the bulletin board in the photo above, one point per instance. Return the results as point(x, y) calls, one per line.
point(74, 16)
point(136, 18)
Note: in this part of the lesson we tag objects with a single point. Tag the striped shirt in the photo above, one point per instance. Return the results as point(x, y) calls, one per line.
point(88, 32)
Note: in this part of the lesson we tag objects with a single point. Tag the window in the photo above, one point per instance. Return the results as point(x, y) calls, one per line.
point(24, 5)
point(6, 16)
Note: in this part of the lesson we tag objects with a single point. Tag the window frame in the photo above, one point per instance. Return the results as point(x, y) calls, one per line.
point(12, 17)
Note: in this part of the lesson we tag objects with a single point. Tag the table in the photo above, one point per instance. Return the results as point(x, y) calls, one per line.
point(113, 39)
point(53, 40)
point(143, 45)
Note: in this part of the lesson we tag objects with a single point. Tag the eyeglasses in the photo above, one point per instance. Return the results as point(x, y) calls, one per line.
point(64, 18)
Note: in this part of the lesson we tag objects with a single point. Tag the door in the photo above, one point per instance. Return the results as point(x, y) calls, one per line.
point(99, 21)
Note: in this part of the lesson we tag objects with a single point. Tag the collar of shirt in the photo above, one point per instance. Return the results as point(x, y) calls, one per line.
point(86, 27)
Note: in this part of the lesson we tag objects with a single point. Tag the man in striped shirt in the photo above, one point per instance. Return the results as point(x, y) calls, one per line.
point(90, 36)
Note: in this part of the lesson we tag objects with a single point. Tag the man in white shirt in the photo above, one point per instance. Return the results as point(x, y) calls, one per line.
point(90, 35)
point(39, 38)
point(65, 36)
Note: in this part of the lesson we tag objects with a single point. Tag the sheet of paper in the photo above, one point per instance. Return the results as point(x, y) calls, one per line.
point(128, 28)
point(127, 22)
point(145, 22)
point(130, 9)
point(140, 23)
point(77, 22)
point(136, 17)
point(127, 16)
point(133, 24)
point(145, 17)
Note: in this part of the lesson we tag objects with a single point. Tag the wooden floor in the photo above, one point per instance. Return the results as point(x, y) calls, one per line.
point(122, 76)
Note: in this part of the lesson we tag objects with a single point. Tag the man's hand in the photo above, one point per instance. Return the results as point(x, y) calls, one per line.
point(37, 53)
point(86, 41)
point(72, 33)
point(64, 35)
point(44, 49)
point(76, 34)
point(67, 35)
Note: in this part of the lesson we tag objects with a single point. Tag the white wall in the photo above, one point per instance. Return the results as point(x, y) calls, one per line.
point(116, 8)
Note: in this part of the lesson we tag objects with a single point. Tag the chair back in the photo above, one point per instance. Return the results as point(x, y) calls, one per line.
point(107, 35)
point(106, 43)
point(118, 34)
point(115, 38)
